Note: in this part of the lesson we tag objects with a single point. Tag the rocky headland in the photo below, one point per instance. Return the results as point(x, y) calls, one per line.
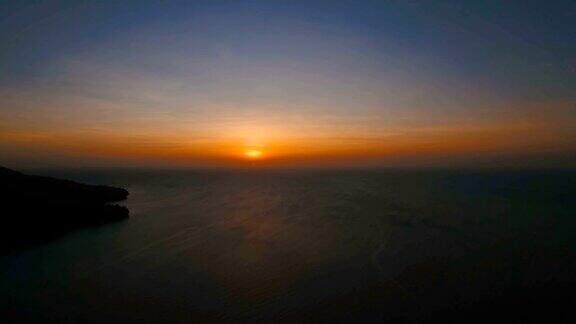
point(37, 209)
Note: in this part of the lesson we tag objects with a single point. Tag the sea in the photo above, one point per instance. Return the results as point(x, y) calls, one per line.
point(354, 245)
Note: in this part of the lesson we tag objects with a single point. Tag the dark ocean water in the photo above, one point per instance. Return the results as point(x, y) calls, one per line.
point(265, 245)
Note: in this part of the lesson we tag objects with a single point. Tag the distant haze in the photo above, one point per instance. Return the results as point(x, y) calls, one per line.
point(301, 83)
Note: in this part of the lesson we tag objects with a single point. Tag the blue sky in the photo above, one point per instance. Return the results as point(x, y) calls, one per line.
point(160, 74)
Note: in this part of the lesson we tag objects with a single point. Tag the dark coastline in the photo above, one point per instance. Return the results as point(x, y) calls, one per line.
point(38, 209)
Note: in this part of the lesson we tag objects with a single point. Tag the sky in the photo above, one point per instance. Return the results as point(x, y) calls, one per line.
point(288, 83)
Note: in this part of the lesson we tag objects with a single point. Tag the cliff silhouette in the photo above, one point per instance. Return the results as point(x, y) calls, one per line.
point(37, 209)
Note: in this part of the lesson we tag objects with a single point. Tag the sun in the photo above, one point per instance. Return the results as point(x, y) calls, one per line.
point(253, 154)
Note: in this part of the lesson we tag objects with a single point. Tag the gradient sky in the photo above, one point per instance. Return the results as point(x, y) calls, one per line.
point(308, 83)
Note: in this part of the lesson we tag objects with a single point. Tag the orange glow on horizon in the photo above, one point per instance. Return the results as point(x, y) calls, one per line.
point(278, 145)
point(253, 154)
